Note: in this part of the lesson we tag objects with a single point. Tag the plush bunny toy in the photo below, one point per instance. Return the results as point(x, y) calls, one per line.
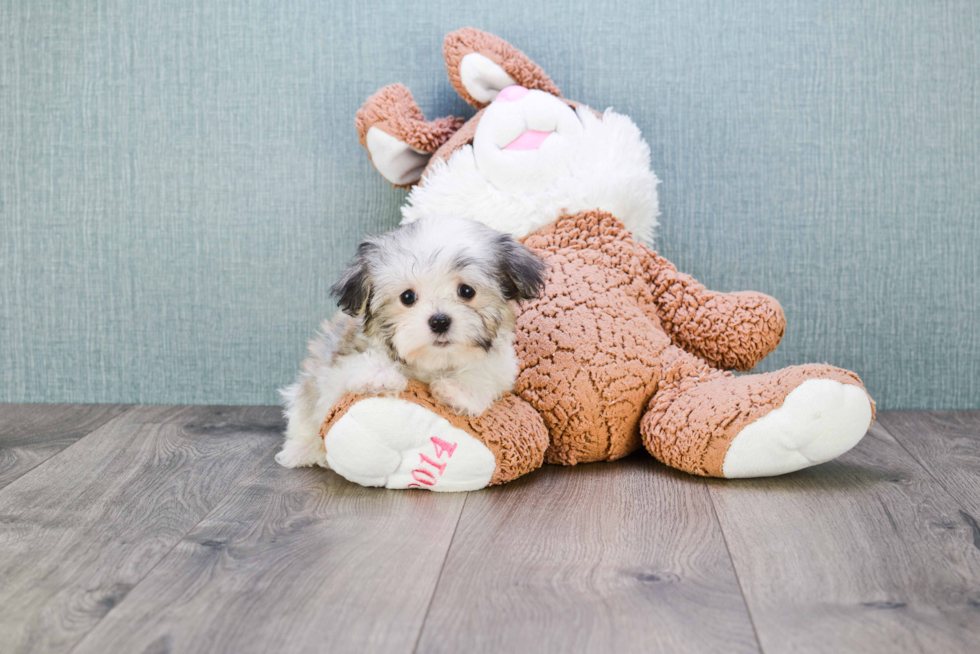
point(622, 350)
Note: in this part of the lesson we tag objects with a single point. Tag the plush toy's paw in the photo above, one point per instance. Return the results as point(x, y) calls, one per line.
point(818, 421)
point(394, 443)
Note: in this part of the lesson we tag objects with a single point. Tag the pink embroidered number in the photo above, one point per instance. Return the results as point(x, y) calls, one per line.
point(443, 446)
point(441, 467)
point(426, 477)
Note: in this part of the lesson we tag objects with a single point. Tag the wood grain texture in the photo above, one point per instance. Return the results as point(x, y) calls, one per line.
point(867, 553)
point(84, 527)
point(947, 444)
point(619, 557)
point(171, 529)
point(32, 433)
point(292, 561)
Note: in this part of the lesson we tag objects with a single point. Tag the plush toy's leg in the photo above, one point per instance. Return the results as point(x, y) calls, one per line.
point(714, 424)
point(412, 442)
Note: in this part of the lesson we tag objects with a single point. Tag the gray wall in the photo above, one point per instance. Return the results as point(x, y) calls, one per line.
point(180, 180)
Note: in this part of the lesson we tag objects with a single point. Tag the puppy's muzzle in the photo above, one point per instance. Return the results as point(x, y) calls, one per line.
point(439, 323)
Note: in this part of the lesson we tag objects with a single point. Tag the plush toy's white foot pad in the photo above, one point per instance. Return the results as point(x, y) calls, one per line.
point(397, 444)
point(819, 420)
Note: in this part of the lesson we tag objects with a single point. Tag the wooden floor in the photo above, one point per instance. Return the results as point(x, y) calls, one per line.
point(171, 529)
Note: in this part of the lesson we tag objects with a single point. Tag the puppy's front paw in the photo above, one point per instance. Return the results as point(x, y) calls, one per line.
point(300, 453)
point(379, 381)
point(460, 398)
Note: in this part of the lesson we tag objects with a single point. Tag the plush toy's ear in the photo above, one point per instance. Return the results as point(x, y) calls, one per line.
point(480, 65)
point(397, 136)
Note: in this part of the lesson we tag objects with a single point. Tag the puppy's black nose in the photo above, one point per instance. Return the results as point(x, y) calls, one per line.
point(439, 323)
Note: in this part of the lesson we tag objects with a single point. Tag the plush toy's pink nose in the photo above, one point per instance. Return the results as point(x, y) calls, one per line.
point(511, 93)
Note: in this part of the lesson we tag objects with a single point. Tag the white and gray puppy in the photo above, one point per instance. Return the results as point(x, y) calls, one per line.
point(432, 301)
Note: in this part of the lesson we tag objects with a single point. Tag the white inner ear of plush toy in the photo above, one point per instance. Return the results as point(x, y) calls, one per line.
point(398, 162)
point(482, 78)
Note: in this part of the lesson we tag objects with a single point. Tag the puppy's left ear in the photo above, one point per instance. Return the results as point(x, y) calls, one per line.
point(521, 271)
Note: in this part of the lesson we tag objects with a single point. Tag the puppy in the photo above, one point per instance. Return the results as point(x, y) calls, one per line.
point(432, 301)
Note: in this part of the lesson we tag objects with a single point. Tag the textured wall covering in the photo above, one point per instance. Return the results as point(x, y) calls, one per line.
point(180, 180)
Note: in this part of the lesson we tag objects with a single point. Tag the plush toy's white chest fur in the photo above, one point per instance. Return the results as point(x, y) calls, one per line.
point(585, 162)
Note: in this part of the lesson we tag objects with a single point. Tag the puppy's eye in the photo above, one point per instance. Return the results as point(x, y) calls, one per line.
point(408, 298)
point(466, 291)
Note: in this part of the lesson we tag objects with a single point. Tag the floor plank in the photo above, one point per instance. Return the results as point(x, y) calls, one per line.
point(33, 433)
point(618, 557)
point(947, 444)
point(82, 528)
point(867, 553)
point(292, 561)
point(99, 552)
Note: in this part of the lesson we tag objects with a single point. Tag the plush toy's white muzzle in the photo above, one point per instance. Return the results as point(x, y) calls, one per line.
point(525, 139)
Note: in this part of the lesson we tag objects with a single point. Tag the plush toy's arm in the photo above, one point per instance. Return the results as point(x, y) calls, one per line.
point(732, 331)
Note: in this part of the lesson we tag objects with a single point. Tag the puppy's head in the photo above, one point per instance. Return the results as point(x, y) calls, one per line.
point(439, 292)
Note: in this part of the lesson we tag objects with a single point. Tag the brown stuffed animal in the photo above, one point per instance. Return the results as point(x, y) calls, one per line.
point(622, 349)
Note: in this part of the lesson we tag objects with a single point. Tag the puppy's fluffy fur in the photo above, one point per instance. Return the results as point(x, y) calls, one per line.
point(432, 301)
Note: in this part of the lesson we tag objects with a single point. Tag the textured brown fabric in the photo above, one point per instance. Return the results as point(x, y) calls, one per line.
point(515, 63)
point(590, 346)
point(394, 111)
point(732, 331)
point(463, 136)
point(593, 349)
point(511, 429)
point(697, 412)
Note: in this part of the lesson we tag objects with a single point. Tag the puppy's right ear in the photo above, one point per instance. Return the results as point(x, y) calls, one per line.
point(354, 287)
